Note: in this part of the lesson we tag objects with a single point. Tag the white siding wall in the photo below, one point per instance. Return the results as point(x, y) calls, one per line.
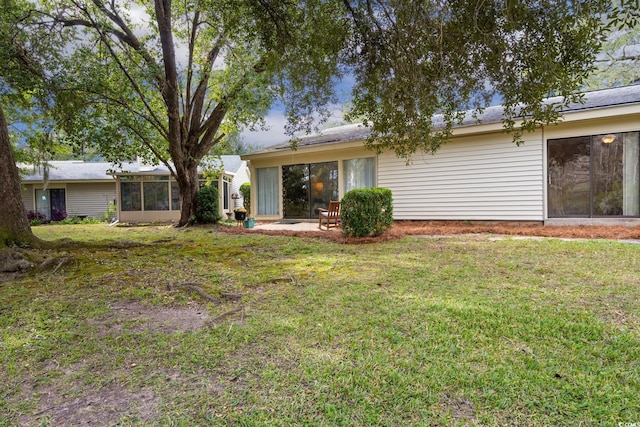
point(89, 199)
point(27, 197)
point(485, 177)
point(240, 178)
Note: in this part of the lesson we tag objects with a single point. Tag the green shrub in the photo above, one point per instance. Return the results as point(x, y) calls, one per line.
point(207, 208)
point(111, 213)
point(91, 220)
point(366, 212)
point(74, 219)
point(245, 190)
point(70, 220)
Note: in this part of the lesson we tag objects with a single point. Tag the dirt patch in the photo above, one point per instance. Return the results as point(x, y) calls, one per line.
point(133, 317)
point(401, 229)
point(104, 406)
point(461, 408)
point(80, 404)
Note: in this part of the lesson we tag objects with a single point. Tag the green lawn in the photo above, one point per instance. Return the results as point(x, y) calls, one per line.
point(421, 331)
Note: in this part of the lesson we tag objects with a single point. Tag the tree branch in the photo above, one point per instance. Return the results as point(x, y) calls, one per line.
point(150, 146)
point(619, 58)
point(128, 37)
point(199, 95)
point(125, 105)
point(170, 93)
point(156, 120)
point(192, 43)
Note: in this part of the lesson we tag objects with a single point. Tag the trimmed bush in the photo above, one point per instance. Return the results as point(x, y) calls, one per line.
point(207, 208)
point(366, 212)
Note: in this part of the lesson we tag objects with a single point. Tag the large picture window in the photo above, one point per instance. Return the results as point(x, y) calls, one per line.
point(130, 195)
point(267, 191)
point(594, 176)
point(155, 192)
point(156, 196)
point(175, 196)
point(359, 173)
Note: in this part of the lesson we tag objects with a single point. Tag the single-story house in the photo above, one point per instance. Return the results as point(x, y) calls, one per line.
point(583, 169)
point(140, 192)
point(149, 193)
point(70, 188)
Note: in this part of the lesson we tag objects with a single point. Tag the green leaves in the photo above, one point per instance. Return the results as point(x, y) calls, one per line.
point(617, 63)
point(366, 212)
point(207, 205)
point(419, 64)
point(625, 14)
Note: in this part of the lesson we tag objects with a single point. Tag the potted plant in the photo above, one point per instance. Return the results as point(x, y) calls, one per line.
point(240, 214)
point(249, 222)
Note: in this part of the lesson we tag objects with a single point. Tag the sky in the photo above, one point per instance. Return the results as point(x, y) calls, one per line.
point(276, 122)
point(274, 135)
point(276, 119)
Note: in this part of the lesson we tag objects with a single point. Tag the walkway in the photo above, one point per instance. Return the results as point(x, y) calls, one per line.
point(291, 226)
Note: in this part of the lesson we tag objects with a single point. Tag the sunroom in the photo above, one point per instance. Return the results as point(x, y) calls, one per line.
point(151, 194)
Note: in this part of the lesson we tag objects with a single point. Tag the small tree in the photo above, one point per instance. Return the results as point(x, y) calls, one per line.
point(366, 212)
point(245, 190)
point(207, 206)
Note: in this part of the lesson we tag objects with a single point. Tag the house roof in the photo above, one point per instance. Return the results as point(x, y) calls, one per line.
point(70, 170)
point(77, 170)
point(599, 99)
point(230, 163)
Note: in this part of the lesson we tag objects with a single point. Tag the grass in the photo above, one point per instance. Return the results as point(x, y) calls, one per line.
point(421, 331)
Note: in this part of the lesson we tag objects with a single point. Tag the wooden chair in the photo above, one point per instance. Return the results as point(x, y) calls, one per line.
point(329, 217)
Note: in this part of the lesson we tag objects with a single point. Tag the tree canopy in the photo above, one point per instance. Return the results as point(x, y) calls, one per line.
point(618, 62)
point(417, 62)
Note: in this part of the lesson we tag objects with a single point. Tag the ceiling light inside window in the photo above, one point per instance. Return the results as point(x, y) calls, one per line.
point(608, 138)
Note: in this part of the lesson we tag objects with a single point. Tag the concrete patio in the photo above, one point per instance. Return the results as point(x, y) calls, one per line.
point(292, 226)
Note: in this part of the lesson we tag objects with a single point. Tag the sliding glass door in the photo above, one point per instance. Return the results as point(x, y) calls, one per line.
point(51, 204)
point(568, 177)
point(295, 188)
point(308, 187)
point(594, 176)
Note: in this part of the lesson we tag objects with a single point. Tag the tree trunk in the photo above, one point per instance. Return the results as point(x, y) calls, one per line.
point(14, 225)
point(189, 186)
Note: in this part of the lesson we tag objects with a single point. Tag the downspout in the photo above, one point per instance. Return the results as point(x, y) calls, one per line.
point(545, 176)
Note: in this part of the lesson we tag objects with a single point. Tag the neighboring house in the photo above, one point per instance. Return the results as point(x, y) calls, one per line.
point(583, 169)
point(70, 188)
point(141, 193)
point(150, 194)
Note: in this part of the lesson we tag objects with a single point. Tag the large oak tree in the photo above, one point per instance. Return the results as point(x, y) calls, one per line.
point(166, 81)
